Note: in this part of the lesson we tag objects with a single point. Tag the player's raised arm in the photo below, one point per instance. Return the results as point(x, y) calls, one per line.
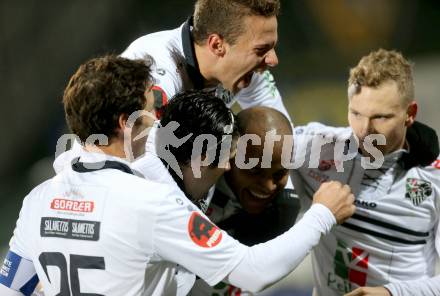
point(332, 202)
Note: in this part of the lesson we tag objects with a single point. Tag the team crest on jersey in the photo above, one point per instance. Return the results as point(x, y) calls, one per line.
point(203, 232)
point(351, 267)
point(417, 190)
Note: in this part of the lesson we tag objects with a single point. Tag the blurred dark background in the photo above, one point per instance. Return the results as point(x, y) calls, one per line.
point(43, 42)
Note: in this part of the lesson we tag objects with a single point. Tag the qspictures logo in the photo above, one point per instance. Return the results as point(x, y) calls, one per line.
point(350, 267)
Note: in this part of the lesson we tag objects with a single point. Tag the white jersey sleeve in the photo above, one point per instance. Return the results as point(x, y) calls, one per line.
point(422, 287)
point(17, 274)
point(185, 236)
point(262, 91)
point(286, 251)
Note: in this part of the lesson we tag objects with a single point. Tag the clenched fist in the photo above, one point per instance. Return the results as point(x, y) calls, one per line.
point(337, 198)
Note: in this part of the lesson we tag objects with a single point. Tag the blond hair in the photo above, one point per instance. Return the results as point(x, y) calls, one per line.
point(379, 67)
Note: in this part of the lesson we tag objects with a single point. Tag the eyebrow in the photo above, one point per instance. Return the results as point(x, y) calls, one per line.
point(374, 115)
point(266, 45)
point(353, 110)
point(382, 115)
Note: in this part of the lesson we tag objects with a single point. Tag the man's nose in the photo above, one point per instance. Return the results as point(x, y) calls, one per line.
point(367, 128)
point(271, 58)
point(268, 185)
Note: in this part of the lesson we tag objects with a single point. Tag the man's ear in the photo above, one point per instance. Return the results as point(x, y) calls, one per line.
point(411, 113)
point(216, 45)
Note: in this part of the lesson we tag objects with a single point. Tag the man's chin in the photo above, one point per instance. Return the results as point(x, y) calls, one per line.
point(253, 209)
point(366, 153)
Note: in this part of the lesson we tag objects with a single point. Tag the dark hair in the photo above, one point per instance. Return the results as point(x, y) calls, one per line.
point(225, 17)
point(101, 90)
point(197, 112)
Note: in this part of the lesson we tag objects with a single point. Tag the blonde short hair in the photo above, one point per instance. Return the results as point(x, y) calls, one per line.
point(379, 67)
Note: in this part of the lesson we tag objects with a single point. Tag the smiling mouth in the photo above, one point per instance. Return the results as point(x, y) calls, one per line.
point(259, 195)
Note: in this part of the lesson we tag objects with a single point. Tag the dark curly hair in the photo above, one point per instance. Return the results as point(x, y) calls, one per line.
point(101, 90)
point(197, 112)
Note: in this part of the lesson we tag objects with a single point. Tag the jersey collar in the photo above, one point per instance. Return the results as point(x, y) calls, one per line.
point(223, 194)
point(192, 66)
point(90, 162)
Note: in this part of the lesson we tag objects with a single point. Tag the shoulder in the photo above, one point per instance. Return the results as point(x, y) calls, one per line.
point(165, 48)
point(155, 44)
point(315, 130)
point(436, 164)
point(431, 172)
point(140, 185)
point(427, 177)
point(38, 191)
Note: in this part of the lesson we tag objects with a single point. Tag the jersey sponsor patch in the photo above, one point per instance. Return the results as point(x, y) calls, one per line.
point(70, 229)
point(81, 206)
point(203, 232)
point(417, 190)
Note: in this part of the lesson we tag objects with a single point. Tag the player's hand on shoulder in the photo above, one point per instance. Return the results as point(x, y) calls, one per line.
point(337, 198)
point(369, 291)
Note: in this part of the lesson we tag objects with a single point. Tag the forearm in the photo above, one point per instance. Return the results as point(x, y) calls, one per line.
point(428, 287)
point(267, 263)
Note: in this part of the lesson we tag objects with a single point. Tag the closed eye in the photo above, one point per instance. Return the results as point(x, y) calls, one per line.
point(261, 51)
point(383, 116)
point(355, 113)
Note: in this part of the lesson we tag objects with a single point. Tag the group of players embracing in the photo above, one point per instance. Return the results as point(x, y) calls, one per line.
point(167, 192)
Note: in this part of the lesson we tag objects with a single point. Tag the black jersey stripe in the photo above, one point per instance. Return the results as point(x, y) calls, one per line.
point(389, 225)
point(81, 167)
point(382, 235)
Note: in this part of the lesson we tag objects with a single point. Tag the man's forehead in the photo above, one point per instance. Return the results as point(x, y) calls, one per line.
point(371, 100)
point(258, 150)
point(260, 30)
